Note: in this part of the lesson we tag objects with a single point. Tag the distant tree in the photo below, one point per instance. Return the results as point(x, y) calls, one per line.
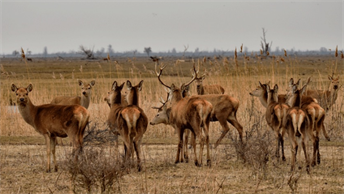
point(323, 50)
point(174, 51)
point(147, 50)
point(265, 46)
point(88, 52)
point(28, 52)
point(45, 52)
point(110, 49)
point(196, 50)
point(15, 53)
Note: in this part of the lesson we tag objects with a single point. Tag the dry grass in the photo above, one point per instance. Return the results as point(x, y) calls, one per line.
point(22, 165)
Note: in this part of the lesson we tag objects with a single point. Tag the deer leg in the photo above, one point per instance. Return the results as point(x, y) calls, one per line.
point(277, 144)
point(282, 143)
point(194, 147)
point(185, 147)
point(324, 132)
point(306, 155)
point(225, 130)
point(52, 147)
point(294, 148)
point(138, 153)
point(180, 144)
point(234, 121)
point(47, 141)
point(207, 142)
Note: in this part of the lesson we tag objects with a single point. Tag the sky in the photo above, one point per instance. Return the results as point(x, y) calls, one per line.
point(62, 26)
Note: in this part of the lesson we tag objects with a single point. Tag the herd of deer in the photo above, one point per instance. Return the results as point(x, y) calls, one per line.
point(300, 113)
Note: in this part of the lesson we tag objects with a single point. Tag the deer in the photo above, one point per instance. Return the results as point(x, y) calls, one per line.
point(225, 108)
point(162, 117)
point(261, 93)
point(207, 89)
point(314, 112)
point(83, 100)
point(275, 115)
point(129, 122)
point(107, 59)
point(297, 126)
point(191, 113)
point(326, 98)
point(53, 121)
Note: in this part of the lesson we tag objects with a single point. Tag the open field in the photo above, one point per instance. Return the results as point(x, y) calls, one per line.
point(22, 156)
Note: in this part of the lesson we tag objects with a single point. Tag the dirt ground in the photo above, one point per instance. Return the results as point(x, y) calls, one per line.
point(23, 171)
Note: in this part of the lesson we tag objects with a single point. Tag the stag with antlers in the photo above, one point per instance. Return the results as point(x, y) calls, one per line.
point(189, 113)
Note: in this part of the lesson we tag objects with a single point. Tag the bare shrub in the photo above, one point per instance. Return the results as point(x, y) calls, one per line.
point(96, 167)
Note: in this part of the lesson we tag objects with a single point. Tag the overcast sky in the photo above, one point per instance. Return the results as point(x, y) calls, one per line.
point(164, 25)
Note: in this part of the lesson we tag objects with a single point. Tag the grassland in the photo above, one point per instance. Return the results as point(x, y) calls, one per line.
point(23, 153)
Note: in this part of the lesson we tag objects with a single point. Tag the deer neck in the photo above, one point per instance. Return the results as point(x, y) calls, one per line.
point(332, 96)
point(116, 100)
point(28, 112)
point(200, 89)
point(294, 100)
point(85, 101)
point(264, 99)
point(176, 96)
point(133, 97)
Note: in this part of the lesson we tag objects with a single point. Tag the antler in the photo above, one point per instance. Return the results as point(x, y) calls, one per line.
point(162, 101)
point(159, 74)
point(194, 76)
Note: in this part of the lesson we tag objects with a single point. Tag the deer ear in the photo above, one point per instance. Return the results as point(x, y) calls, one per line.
point(121, 86)
point(173, 87)
point(294, 89)
point(29, 88)
point(303, 90)
point(261, 85)
point(291, 82)
point(93, 82)
point(330, 78)
point(14, 88)
point(267, 88)
point(114, 85)
point(129, 86)
point(80, 83)
point(298, 82)
point(276, 88)
point(203, 77)
point(140, 85)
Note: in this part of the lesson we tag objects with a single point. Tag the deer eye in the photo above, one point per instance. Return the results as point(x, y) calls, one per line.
point(157, 115)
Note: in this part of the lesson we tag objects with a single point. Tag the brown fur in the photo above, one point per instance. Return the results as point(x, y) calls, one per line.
point(261, 93)
point(297, 126)
point(83, 100)
point(53, 121)
point(190, 113)
point(208, 89)
point(326, 98)
point(225, 108)
point(130, 122)
point(275, 116)
point(315, 114)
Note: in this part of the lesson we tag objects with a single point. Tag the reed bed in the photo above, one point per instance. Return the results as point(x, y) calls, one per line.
point(238, 75)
